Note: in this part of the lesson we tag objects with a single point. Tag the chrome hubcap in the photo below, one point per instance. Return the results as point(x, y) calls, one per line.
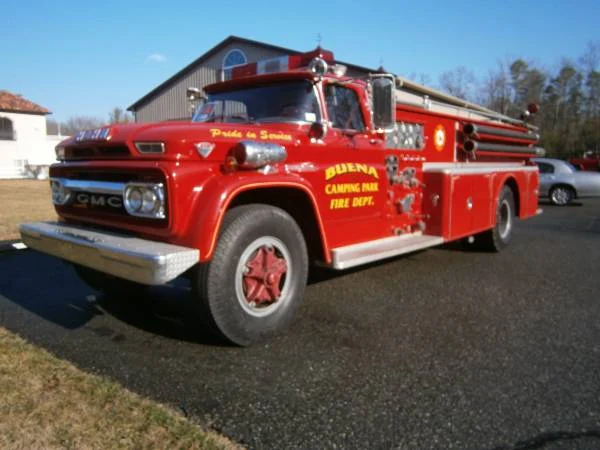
point(263, 275)
point(560, 196)
point(505, 219)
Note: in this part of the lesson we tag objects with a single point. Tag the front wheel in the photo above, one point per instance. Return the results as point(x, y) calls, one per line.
point(561, 195)
point(499, 236)
point(256, 278)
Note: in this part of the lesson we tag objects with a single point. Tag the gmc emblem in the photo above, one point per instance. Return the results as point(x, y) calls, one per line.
point(112, 201)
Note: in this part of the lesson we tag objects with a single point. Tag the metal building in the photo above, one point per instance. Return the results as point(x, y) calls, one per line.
point(168, 100)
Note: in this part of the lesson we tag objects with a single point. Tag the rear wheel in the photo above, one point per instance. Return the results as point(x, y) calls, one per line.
point(561, 195)
point(499, 236)
point(256, 278)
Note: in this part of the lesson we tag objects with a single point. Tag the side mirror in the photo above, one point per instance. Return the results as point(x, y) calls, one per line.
point(194, 94)
point(195, 97)
point(383, 102)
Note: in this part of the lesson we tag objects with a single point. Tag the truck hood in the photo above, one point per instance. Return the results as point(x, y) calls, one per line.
point(182, 140)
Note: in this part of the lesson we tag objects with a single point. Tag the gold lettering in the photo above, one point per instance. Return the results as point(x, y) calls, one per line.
point(329, 173)
point(343, 168)
point(370, 187)
point(361, 168)
point(344, 188)
point(359, 202)
point(373, 172)
point(339, 203)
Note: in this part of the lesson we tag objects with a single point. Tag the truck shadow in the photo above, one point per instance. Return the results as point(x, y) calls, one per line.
point(544, 439)
point(546, 202)
point(49, 288)
point(169, 311)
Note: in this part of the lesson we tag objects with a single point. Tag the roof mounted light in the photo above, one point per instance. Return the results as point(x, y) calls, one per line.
point(318, 58)
point(318, 66)
point(339, 69)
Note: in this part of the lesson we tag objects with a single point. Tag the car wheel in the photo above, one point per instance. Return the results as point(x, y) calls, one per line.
point(257, 276)
point(561, 195)
point(108, 284)
point(499, 236)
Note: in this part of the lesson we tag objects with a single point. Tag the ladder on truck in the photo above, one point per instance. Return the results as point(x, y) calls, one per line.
point(415, 94)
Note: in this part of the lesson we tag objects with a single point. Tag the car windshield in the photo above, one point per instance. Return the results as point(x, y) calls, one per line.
point(291, 101)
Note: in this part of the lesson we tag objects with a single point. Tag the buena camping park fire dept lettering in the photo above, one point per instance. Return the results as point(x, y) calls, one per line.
point(341, 190)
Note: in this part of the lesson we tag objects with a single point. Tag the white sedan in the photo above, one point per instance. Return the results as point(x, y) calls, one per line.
point(562, 182)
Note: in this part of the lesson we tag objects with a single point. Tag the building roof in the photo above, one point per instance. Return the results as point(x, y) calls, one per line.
point(229, 40)
point(10, 102)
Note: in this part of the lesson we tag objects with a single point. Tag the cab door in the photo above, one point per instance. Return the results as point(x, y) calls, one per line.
point(352, 195)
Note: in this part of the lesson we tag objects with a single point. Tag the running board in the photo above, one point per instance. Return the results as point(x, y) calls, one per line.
point(366, 252)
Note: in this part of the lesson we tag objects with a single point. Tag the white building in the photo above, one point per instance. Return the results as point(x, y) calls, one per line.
point(25, 148)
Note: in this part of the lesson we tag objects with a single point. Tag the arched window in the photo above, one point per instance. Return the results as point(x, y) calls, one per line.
point(232, 59)
point(6, 130)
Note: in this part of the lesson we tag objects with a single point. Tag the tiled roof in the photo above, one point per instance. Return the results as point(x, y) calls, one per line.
point(16, 103)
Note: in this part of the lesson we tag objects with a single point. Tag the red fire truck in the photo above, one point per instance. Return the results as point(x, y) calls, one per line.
point(290, 163)
point(589, 162)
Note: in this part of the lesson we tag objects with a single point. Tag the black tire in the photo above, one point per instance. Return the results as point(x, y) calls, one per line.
point(108, 284)
point(499, 236)
point(561, 195)
point(229, 285)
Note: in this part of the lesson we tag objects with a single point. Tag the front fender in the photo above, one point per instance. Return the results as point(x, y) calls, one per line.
point(209, 208)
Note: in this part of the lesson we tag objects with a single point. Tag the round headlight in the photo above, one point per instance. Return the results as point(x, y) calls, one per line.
point(133, 199)
point(148, 201)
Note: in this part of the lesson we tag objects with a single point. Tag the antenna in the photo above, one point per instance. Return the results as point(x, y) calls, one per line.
point(319, 39)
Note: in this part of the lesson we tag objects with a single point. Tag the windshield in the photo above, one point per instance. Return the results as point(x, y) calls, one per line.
point(292, 101)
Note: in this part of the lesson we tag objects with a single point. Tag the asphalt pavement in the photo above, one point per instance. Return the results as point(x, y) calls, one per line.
point(438, 349)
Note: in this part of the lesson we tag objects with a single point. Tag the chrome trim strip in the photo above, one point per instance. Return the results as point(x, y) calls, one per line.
point(96, 187)
point(366, 252)
point(476, 168)
point(135, 259)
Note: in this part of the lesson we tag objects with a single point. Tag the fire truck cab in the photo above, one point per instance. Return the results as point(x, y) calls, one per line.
point(289, 163)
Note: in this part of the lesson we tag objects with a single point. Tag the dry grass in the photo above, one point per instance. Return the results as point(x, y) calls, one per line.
point(23, 201)
point(46, 403)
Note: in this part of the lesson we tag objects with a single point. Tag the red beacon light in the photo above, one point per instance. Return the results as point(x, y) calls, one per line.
point(316, 61)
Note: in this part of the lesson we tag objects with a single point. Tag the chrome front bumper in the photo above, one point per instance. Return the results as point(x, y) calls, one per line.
point(135, 259)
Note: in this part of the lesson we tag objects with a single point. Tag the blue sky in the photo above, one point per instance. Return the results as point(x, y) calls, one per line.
point(77, 58)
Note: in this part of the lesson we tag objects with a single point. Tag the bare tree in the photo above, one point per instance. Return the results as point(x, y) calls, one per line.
point(80, 123)
point(495, 90)
point(459, 82)
point(117, 115)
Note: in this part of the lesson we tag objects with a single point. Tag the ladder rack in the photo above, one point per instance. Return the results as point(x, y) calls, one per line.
point(415, 94)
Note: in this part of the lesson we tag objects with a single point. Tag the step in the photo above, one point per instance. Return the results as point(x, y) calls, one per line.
point(366, 252)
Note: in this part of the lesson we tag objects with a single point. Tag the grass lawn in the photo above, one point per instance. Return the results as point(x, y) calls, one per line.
point(47, 403)
point(23, 201)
